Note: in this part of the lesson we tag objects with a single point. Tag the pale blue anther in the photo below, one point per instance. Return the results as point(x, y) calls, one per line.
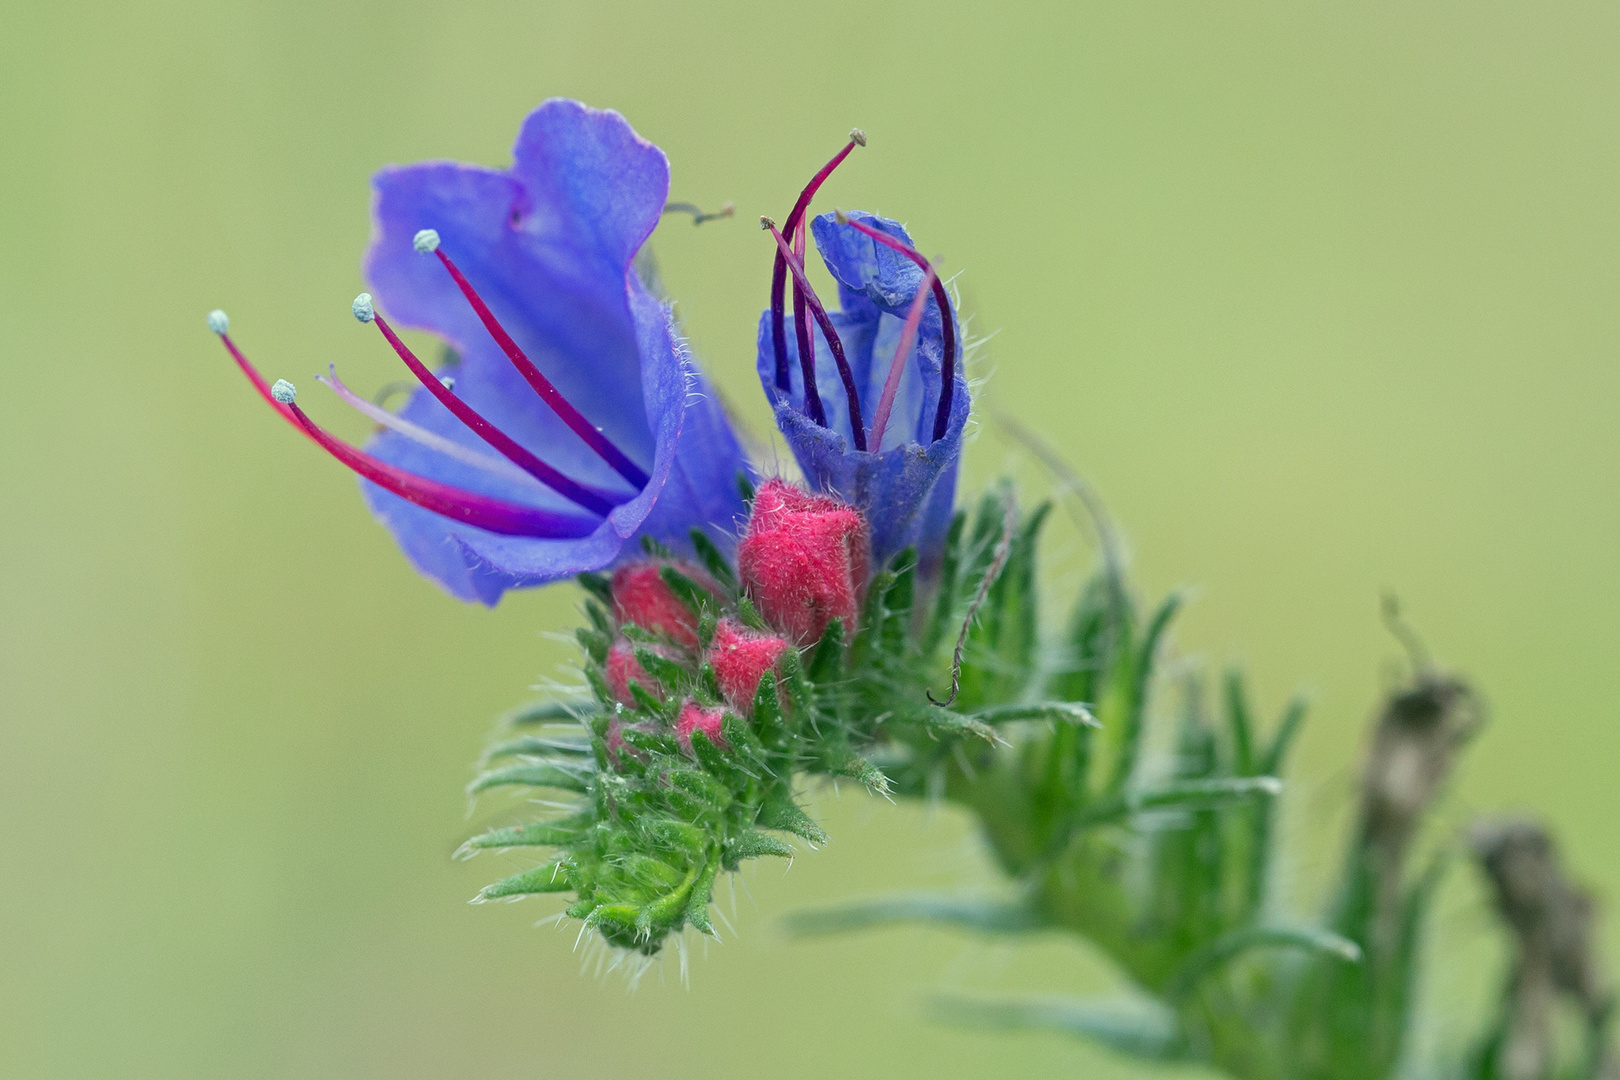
point(284, 392)
point(426, 242)
point(218, 321)
point(362, 307)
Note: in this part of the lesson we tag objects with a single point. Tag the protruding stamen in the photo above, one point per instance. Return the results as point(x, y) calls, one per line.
point(548, 393)
point(284, 392)
point(802, 332)
point(856, 426)
point(495, 466)
point(363, 308)
point(897, 366)
point(218, 321)
point(480, 511)
point(947, 367)
point(426, 242)
point(857, 137)
point(596, 502)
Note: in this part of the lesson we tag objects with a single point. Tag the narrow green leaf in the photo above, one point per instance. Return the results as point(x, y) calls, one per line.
point(1067, 712)
point(1211, 956)
point(942, 909)
point(1178, 795)
point(1293, 716)
point(1144, 1031)
point(1238, 722)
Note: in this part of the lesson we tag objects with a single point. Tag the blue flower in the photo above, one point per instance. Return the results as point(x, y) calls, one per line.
point(899, 467)
point(575, 418)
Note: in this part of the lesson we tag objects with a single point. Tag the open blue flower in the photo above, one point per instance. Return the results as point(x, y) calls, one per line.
point(893, 354)
point(575, 418)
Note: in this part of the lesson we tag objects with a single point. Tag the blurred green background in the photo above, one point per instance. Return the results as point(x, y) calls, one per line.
point(1320, 296)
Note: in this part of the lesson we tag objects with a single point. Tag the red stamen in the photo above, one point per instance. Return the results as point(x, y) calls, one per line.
point(897, 366)
point(594, 501)
point(548, 393)
point(857, 137)
point(947, 368)
point(802, 283)
point(481, 511)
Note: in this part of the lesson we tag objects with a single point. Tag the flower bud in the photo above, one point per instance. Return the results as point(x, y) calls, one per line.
point(622, 666)
point(740, 658)
point(695, 717)
point(641, 597)
point(803, 560)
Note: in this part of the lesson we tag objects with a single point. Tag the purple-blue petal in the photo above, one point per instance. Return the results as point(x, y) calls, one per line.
point(906, 487)
point(549, 245)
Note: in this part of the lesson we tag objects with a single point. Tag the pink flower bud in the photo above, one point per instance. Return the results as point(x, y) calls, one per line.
point(695, 717)
point(622, 667)
point(803, 560)
point(615, 741)
point(641, 597)
point(740, 658)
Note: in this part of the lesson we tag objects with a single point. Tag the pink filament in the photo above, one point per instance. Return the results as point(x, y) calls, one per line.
point(897, 366)
point(481, 511)
point(594, 501)
point(947, 370)
point(548, 393)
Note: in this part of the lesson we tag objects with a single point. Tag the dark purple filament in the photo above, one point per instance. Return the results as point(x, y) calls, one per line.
point(779, 269)
point(806, 339)
point(481, 511)
point(947, 368)
point(802, 283)
point(596, 502)
point(548, 393)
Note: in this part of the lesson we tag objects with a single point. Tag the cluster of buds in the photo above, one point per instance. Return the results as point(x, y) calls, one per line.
point(802, 563)
point(704, 709)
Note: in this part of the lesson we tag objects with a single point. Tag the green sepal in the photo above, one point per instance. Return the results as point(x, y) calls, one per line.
point(827, 661)
point(594, 642)
point(540, 834)
point(754, 844)
point(599, 586)
point(697, 904)
point(537, 746)
point(855, 767)
point(694, 596)
point(539, 774)
point(780, 812)
point(713, 559)
point(550, 878)
point(537, 712)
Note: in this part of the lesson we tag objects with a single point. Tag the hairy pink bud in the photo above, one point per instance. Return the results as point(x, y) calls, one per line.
point(695, 717)
point(740, 658)
point(622, 667)
point(640, 596)
point(803, 560)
